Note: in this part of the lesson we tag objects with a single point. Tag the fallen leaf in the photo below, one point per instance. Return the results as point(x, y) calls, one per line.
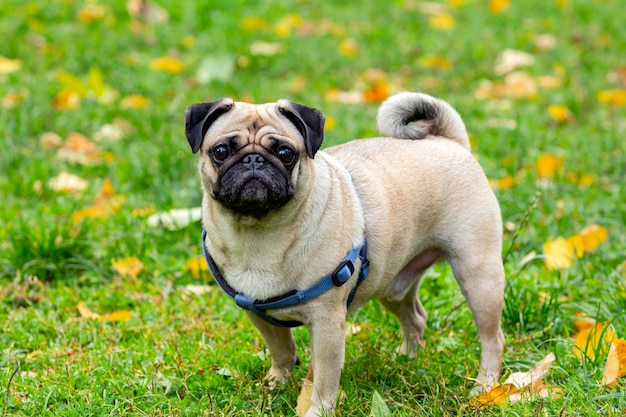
point(545, 41)
point(559, 113)
point(167, 64)
point(120, 315)
point(520, 84)
point(254, 23)
point(66, 99)
point(497, 6)
point(548, 165)
point(615, 98)
point(67, 183)
point(91, 13)
point(50, 140)
point(593, 236)
point(511, 59)
point(377, 92)
point(258, 48)
point(530, 382)
point(503, 183)
point(134, 101)
point(195, 266)
point(79, 149)
point(8, 65)
point(379, 406)
point(128, 267)
point(439, 62)
point(286, 24)
point(441, 21)
point(10, 100)
point(198, 289)
point(590, 338)
point(105, 203)
point(348, 47)
point(176, 218)
point(559, 253)
point(304, 398)
point(615, 366)
point(219, 68)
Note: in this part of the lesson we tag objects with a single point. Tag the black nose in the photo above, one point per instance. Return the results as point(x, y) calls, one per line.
point(253, 161)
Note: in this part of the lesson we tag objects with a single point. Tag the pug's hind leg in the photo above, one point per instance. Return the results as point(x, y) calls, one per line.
point(412, 317)
point(482, 282)
point(282, 346)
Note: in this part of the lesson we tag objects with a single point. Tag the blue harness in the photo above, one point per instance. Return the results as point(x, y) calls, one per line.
point(337, 278)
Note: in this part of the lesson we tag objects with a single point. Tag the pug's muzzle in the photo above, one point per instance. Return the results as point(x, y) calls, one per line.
point(253, 183)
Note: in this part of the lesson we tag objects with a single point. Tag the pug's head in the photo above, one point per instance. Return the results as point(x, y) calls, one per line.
point(250, 155)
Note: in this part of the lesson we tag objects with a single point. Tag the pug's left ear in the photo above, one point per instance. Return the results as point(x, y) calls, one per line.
point(199, 117)
point(308, 121)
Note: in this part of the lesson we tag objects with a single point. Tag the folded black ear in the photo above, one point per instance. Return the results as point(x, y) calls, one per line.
point(308, 121)
point(199, 117)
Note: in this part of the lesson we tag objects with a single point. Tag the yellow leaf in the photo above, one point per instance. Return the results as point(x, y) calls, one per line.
point(304, 398)
point(128, 267)
point(503, 183)
point(66, 99)
point(196, 266)
point(559, 113)
point(441, 21)
point(593, 236)
point(105, 203)
point(254, 23)
point(549, 165)
point(134, 101)
point(496, 395)
point(615, 366)
point(286, 24)
point(439, 62)
point(92, 12)
point(593, 341)
point(331, 122)
point(8, 65)
point(497, 6)
point(378, 92)
point(11, 100)
point(72, 83)
point(615, 98)
point(348, 47)
point(167, 64)
point(559, 253)
point(457, 3)
point(85, 312)
point(119, 315)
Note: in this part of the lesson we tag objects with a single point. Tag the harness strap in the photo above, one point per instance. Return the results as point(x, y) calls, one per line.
point(337, 278)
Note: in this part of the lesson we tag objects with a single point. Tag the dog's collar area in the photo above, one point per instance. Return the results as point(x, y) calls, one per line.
point(337, 278)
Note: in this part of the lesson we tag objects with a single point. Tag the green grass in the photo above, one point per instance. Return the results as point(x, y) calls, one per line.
point(183, 354)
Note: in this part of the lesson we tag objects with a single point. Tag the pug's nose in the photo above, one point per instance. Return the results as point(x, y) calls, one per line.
point(253, 161)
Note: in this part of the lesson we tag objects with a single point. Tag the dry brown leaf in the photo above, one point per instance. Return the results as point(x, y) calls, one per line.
point(517, 385)
point(615, 363)
point(304, 398)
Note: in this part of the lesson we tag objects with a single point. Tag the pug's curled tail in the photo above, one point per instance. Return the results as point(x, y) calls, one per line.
point(417, 115)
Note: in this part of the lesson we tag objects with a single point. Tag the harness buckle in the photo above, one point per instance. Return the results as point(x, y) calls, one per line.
point(342, 274)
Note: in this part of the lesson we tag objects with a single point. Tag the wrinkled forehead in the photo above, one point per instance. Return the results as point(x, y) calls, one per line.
point(253, 119)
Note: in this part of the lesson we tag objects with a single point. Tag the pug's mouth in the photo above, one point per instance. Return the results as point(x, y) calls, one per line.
point(254, 195)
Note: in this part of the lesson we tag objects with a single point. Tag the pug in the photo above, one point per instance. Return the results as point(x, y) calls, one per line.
point(298, 235)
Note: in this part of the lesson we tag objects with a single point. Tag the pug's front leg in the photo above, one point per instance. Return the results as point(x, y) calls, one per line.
point(327, 352)
point(280, 342)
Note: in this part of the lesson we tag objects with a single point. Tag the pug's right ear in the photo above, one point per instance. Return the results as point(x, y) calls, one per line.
point(199, 117)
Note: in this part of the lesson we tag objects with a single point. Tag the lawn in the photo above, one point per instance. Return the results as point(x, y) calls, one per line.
point(104, 313)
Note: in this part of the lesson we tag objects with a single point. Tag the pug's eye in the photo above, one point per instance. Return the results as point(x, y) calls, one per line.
point(220, 153)
point(286, 155)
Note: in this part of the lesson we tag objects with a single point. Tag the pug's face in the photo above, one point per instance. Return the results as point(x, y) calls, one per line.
point(251, 154)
